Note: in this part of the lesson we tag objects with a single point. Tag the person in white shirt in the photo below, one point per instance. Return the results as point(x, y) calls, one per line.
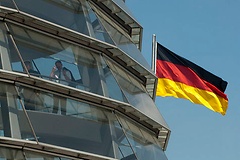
point(62, 76)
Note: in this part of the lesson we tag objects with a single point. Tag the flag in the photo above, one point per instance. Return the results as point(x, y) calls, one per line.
point(180, 78)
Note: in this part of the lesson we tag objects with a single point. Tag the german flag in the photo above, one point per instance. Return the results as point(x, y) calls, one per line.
point(180, 78)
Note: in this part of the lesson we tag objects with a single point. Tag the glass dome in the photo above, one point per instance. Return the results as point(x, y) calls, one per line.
point(73, 80)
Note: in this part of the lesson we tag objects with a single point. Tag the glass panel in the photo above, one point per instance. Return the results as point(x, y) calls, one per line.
point(102, 134)
point(136, 94)
point(77, 16)
point(86, 127)
point(5, 47)
point(113, 87)
point(10, 154)
point(144, 143)
point(7, 3)
point(99, 31)
point(123, 6)
point(124, 42)
point(32, 99)
point(78, 67)
point(14, 121)
point(67, 13)
point(125, 80)
point(125, 151)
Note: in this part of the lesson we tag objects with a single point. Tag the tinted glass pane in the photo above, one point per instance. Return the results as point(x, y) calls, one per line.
point(86, 127)
point(75, 15)
point(136, 94)
point(7, 48)
point(125, 150)
point(9, 153)
point(97, 30)
point(7, 3)
point(14, 121)
point(67, 13)
point(112, 86)
point(145, 145)
point(43, 52)
point(124, 42)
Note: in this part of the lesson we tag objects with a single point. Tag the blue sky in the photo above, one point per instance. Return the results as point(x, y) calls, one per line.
point(206, 32)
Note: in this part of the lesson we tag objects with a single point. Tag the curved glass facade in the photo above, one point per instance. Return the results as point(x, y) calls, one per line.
point(71, 94)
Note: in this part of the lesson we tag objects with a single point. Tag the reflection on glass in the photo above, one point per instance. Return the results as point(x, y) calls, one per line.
point(99, 32)
point(113, 87)
point(124, 42)
point(9, 153)
point(83, 126)
point(125, 81)
point(136, 94)
point(79, 68)
point(145, 145)
point(43, 52)
point(86, 128)
point(70, 13)
point(7, 3)
point(15, 123)
point(37, 156)
point(33, 99)
point(125, 150)
point(77, 15)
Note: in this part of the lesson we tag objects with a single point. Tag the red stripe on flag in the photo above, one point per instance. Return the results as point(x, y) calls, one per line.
point(183, 74)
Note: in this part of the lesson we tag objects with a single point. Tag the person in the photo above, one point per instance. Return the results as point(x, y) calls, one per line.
point(32, 98)
point(30, 69)
point(63, 76)
point(60, 73)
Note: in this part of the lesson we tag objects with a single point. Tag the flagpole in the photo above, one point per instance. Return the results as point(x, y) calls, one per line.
point(154, 53)
point(154, 59)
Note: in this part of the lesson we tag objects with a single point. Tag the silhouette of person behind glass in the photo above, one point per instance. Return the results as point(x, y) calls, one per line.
point(30, 69)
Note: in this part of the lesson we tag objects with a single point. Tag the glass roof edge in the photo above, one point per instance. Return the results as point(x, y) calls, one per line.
point(129, 23)
point(149, 75)
point(127, 13)
point(163, 128)
point(136, 62)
